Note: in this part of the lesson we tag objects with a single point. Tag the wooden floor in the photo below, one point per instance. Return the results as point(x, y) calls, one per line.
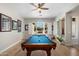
point(60, 50)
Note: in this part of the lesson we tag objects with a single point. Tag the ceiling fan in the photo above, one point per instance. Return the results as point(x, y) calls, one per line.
point(39, 7)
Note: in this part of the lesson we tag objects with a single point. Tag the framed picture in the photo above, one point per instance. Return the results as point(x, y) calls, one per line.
point(5, 23)
point(19, 25)
point(14, 25)
point(26, 27)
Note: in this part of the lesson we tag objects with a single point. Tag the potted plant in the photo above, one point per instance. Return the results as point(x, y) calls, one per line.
point(60, 38)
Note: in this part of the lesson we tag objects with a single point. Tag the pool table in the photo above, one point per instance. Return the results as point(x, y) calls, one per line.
point(38, 42)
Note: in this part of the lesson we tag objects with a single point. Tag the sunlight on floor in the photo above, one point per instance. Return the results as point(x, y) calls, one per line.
point(73, 52)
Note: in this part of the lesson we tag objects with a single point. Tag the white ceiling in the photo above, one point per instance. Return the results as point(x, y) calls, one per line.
point(55, 9)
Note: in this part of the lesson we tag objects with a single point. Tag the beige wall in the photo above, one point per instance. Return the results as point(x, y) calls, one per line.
point(74, 13)
point(9, 38)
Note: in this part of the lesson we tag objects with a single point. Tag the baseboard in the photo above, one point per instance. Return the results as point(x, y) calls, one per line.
point(10, 46)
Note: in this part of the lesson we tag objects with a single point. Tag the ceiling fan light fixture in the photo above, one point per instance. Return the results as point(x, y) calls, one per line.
point(39, 9)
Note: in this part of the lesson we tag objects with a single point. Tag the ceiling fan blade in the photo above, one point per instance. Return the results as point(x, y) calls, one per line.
point(39, 5)
point(33, 4)
point(42, 4)
point(35, 9)
point(44, 8)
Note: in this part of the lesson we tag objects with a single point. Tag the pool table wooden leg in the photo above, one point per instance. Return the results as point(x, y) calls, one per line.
point(54, 48)
point(28, 53)
point(48, 53)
